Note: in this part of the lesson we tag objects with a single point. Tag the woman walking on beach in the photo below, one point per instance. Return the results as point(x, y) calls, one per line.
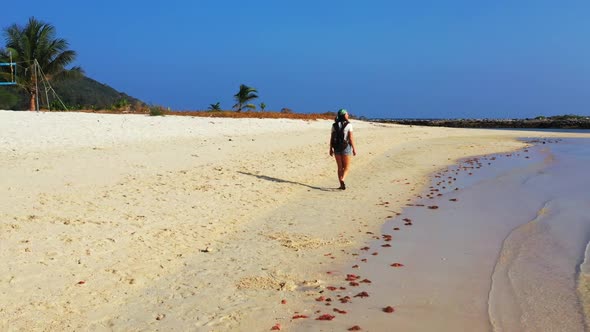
point(342, 145)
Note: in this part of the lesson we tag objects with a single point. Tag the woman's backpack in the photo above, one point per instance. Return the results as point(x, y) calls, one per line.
point(339, 140)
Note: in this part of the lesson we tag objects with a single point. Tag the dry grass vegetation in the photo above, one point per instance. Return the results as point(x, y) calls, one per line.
point(228, 114)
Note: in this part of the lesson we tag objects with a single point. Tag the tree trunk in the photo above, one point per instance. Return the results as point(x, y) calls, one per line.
point(33, 90)
point(32, 106)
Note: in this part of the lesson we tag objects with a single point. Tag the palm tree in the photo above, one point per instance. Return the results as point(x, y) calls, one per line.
point(37, 43)
point(215, 107)
point(262, 107)
point(243, 96)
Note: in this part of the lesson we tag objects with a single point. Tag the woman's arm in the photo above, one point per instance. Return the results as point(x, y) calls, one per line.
point(331, 147)
point(351, 140)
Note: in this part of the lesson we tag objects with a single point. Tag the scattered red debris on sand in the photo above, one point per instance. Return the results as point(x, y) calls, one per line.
point(362, 294)
point(283, 301)
point(453, 199)
point(375, 254)
point(320, 299)
point(388, 309)
point(343, 312)
point(332, 288)
point(325, 317)
point(355, 328)
point(345, 299)
point(366, 281)
point(351, 277)
point(355, 266)
point(396, 228)
point(276, 327)
point(299, 316)
point(433, 207)
point(364, 260)
point(353, 284)
point(365, 248)
point(397, 264)
point(387, 245)
point(81, 282)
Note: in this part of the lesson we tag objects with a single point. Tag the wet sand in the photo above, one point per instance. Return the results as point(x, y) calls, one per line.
point(494, 243)
point(126, 222)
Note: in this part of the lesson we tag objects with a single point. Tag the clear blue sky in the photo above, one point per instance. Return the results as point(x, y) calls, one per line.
point(424, 59)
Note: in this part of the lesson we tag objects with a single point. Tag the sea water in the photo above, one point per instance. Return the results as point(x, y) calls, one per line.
point(541, 279)
point(497, 243)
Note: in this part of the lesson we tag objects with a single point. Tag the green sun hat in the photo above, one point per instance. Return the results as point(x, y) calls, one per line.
point(342, 111)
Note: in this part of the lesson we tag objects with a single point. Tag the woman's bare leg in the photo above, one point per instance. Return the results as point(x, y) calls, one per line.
point(339, 163)
point(343, 162)
point(345, 166)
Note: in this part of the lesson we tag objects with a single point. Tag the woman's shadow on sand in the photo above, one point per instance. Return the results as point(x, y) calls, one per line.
point(269, 178)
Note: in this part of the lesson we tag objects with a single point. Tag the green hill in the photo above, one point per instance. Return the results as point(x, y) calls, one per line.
point(76, 93)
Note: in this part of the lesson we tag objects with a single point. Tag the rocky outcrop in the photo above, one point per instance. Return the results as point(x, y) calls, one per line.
point(545, 123)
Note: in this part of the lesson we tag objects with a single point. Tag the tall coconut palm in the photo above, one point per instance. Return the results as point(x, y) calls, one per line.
point(37, 41)
point(243, 96)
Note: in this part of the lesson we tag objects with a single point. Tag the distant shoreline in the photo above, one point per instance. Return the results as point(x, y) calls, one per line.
point(545, 123)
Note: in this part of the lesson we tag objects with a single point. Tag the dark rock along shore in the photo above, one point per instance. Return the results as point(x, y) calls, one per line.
point(574, 122)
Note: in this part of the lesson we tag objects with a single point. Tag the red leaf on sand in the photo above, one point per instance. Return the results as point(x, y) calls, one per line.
point(320, 299)
point(340, 311)
point(355, 266)
point(433, 207)
point(355, 328)
point(299, 316)
point(345, 299)
point(453, 199)
point(353, 283)
point(397, 264)
point(277, 327)
point(363, 260)
point(388, 309)
point(375, 254)
point(365, 248)
point(325, 317)
point(332, 288)
point(387, 245)
point(396, 228)
point(283, 301)
point(362, 294)
point(351, 277)
point(366, 281)
point(407, 219)
point(81, 282)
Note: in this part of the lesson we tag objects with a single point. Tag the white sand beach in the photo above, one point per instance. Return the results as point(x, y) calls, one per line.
point(138, 223)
